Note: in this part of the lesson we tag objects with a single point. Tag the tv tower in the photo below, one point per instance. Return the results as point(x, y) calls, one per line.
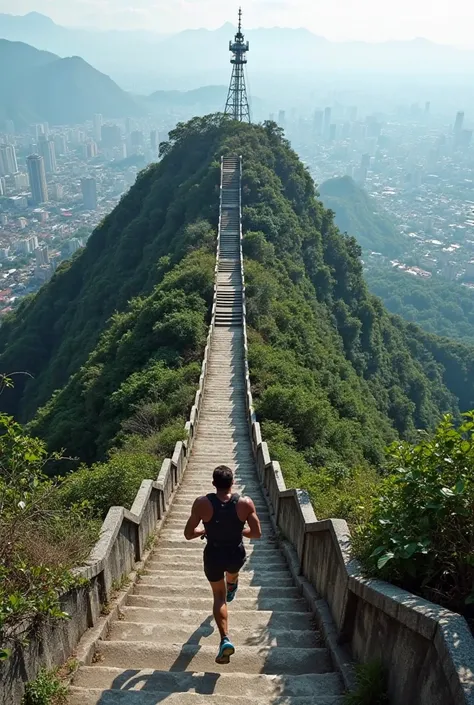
point(237, 105)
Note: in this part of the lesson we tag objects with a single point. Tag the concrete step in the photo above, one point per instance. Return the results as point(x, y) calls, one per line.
point(209, 634)
point(174, 547)
point(175, 577)
point(240, 619)
point(88, 696)
point(254, 561)
point(181, 545)
point(182, 590)
point(183, 684)
point(143, 598)
point(192, 657)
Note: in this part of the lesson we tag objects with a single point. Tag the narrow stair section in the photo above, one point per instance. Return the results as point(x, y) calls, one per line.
point(163, 648)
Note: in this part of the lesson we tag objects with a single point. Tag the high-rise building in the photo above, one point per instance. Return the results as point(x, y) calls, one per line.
point(60, 144)
point(111, 136)
point(48, 152)
point(37, 176)
point(427, 107)
point(332, 132)
point(42, 256)
point(318, 121)
point(8, 162)
point(90, 150)
point(36, 131)
point(327, 121)
point(9, 127)
point(128, 125)
point(89, 193)
point(97, 122)
point(282, 118)
point(56, 192)
point(20, 182)
point(458, 122)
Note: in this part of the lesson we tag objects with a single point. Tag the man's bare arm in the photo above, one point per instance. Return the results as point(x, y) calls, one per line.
point(191, 531)
point(253, 530)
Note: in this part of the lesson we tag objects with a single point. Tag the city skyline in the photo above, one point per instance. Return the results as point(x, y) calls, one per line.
point(341, 21)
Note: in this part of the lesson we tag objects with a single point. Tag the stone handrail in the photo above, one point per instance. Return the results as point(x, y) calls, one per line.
point(428, 651)
point(123, 542)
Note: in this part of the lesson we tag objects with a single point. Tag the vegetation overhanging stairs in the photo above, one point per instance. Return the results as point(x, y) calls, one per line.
point(162, 649)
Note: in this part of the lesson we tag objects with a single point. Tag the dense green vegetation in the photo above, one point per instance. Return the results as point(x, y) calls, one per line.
point(335, 377)
point(40, 538)
point(439, 306)
point(356, 213)
point(420, 532)
point(114, 341)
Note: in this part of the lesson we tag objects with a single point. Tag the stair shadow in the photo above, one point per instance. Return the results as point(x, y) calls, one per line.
point(202, 683)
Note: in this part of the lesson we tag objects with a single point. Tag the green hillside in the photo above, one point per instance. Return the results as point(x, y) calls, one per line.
point(441, 307)
point(121, 327)
point(357, 214)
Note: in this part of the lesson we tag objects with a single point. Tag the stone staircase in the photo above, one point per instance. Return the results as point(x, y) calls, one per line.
point(163, 648)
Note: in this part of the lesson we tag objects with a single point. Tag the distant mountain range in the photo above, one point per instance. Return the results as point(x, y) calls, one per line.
point(197, 55)
point(40, 86)
point(357, 214)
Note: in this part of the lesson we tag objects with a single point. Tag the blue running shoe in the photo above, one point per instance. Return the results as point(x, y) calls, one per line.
point(231, 591)
point(226, 649)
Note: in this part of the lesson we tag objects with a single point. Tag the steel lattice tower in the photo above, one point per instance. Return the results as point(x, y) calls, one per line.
point(237, 105)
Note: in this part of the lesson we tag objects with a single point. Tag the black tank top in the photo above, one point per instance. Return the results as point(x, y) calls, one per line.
point(225, 528)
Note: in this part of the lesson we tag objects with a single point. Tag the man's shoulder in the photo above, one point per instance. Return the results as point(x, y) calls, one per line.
point(202, 500)
point(245, 499)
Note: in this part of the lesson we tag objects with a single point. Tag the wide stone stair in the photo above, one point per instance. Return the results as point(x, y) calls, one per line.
point(163, 648)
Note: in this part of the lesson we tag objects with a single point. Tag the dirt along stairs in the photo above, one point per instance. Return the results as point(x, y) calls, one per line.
point(163, 648)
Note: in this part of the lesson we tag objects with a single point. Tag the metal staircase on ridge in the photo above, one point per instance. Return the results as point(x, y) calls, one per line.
point(162, 649)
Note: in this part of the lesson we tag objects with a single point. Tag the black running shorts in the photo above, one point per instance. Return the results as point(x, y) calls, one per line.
point(221, 560)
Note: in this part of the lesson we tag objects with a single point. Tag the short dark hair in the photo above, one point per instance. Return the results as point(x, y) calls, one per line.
point(223, 478)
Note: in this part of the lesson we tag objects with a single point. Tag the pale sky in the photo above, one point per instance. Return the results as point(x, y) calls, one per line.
point(444, 21)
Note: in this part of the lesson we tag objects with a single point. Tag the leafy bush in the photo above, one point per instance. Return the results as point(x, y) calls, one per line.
point(37, 545)
point(46, 689)
point(421, 531)
point(110, 484)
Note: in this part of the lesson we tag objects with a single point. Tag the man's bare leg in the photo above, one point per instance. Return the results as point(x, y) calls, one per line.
point(226, 648)
point(220, 607)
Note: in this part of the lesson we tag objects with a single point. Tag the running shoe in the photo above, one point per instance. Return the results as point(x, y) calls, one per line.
point(226, 649)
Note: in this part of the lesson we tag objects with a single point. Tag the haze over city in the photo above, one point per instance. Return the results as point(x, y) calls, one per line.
point(366, 20)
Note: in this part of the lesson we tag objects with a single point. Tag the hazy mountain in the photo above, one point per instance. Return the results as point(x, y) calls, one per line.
point(41, 86)
point(197, 55)
point(212, 97)
point(358, 214)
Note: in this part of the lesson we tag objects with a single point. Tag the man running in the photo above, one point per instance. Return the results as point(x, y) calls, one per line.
point(224, 516)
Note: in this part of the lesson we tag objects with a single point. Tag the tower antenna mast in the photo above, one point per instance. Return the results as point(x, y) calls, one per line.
point(237, 105)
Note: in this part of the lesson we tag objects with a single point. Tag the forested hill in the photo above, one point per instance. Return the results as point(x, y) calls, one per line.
point(357, 214)
point(121, 327)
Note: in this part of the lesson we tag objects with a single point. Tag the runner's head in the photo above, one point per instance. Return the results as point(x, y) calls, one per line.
point(223, 478)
